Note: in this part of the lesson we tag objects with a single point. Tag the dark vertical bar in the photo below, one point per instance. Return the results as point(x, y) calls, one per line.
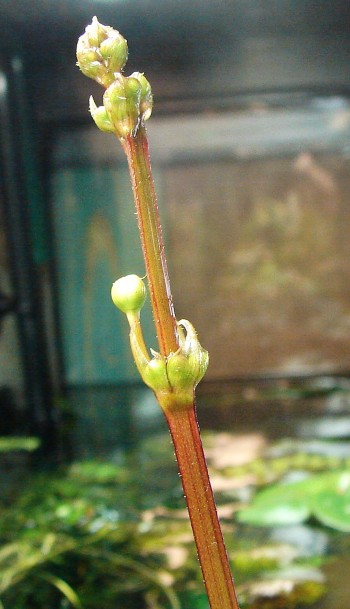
point(36, 370)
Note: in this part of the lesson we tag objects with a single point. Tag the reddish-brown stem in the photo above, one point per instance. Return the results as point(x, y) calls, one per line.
point(201, 507)
point(136, 149)
point(122, 111)
point(181, 418)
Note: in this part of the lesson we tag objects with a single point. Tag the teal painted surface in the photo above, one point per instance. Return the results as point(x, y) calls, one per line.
point(96, 242)
point(28, 137)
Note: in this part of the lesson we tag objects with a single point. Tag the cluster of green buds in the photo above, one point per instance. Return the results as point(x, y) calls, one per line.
point(172, 378)
point(102, 53)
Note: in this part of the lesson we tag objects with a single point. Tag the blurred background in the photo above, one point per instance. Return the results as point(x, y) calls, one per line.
point(250, 147)
point(250, 143)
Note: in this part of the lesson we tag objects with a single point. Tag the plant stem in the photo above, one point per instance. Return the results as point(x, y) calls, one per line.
point(136, 150)
point(201, 507)
point(182, 420)
point(127, 104)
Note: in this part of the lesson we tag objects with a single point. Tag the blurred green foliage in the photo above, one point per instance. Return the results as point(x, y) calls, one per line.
point(324, 496)
point(115, 534)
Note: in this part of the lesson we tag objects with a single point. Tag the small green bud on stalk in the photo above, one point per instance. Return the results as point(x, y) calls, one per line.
point(173, 378)
point(175, 375)
point(129, 294)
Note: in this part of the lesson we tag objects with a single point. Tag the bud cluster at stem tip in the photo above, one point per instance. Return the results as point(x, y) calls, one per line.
point(127, 102)
point(102, 52)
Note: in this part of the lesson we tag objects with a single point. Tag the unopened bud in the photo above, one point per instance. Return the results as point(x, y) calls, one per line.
point(90, 65)
point(155, 375)
point(100, 116)
point(173, 378)
point(146, 97)
point(188, 365)
point(95, 33)
point(101, 52)
point(129, 293)
point(198, 362)
point(114, 51)
point(180, 372)
point(122, 102)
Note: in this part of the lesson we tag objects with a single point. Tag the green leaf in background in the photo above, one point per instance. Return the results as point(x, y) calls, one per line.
point(332, 506)
point(13, 443)
point(96, 471)
point(325, 496)
point(276, 506)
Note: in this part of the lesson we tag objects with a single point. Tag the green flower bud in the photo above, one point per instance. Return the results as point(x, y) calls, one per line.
point(90, 65)
point(180, 373)
point(188, 365)
point(88, 59)
point(122, 102)
point(198, 362)
point(100, 116)
point(114, 51)
point(175, 377)
point(95, 33)
point(101, 52)
point(129, 294)
point(155, 375)
point(146, 97)
point(152, 370)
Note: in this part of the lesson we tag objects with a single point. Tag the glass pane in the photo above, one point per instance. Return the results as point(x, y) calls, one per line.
point(256, 219)
point(259, 237)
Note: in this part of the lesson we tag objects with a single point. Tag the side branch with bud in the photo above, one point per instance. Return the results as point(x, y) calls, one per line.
point(174, 377)
point(175, 369)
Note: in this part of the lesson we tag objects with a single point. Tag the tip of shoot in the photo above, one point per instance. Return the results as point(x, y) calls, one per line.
point(102, 53)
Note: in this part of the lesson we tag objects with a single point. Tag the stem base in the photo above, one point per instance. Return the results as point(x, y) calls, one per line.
point(211, 549)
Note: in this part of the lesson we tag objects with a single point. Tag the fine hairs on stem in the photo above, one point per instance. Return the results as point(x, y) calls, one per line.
point(174, 371)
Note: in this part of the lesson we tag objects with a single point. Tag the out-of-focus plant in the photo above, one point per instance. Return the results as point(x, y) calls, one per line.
point(9, 444)
point(67, 541)
point(323, 496)
point(76, 539)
